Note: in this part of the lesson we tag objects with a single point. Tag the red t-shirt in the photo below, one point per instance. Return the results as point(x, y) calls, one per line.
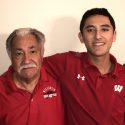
point(90, 98)
point(19, 107)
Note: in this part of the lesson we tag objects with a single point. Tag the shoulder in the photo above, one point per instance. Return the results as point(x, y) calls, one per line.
point(120, 70)
point(6, 77)
point(65, 54)
point(117, 66)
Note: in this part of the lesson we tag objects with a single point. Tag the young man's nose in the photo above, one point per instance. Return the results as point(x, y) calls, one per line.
point(98, 34)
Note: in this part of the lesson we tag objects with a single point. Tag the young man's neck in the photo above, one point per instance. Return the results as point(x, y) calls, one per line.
point(103, 63)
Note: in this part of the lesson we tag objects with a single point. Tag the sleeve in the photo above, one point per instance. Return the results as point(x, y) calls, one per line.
point(55, 64)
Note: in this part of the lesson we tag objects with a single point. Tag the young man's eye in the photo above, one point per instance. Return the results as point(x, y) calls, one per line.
point(105, 29)
point(90, 30)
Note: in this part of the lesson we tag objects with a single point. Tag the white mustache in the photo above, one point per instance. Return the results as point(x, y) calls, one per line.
point(27, 66)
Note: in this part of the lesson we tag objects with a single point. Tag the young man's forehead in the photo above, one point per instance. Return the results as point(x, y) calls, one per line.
point(93, 17)
point(98, 19)
point(93, 26)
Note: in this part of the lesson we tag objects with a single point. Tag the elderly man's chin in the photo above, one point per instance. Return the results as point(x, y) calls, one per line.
point(29, 73)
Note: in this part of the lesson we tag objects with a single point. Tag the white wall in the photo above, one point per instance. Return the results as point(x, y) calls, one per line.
point(59, 21)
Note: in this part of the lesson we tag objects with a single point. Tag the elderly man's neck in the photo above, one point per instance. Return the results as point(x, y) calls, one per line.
point(25, 83)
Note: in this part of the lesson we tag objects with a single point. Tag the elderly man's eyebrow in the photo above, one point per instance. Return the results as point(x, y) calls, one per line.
point(31, 47)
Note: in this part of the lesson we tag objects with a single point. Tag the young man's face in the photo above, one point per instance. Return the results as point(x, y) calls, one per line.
point(27, 57)
point(98, 35)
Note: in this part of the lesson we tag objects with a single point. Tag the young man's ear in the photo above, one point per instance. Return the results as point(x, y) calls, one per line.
point(81, 37)
point(114, 37)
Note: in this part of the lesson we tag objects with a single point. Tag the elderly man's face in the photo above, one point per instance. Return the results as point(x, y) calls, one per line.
point(27, 54)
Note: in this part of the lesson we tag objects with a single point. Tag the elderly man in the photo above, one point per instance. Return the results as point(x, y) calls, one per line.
point(28, 94)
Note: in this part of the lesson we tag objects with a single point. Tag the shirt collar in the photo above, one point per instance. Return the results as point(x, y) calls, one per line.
point(87, 63)
point(44, 74)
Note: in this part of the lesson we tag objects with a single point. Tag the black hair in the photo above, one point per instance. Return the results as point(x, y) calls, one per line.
point(96, 11)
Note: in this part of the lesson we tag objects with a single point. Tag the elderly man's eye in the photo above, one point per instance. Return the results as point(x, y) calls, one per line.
point(33, 51)
point(19, 53)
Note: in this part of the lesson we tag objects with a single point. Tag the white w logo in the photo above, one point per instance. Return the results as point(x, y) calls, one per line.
point(118, 88)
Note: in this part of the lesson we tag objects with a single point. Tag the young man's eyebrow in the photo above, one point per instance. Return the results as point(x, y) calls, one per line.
point(92, 26)
point(89, 26)
point(105, 25)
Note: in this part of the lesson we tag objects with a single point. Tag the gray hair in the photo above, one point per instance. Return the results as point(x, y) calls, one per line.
point(22, 32)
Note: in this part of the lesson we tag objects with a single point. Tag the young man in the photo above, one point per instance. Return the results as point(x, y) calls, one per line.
point(93, 82)
point(28, 94)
